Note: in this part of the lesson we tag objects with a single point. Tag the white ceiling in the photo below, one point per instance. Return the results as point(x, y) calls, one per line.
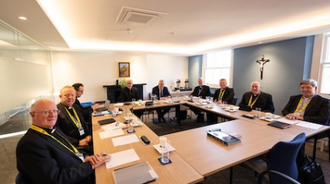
point(190, 26)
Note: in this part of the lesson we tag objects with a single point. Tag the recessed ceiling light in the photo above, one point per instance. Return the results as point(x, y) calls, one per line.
point(22, 18)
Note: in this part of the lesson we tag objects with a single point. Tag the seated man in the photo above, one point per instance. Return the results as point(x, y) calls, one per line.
point(162, 92)
point(79, 87)
point(257, 99)
point(200, 91)
point(43, 154)
point(308, 106)
point(224, 93)
point(71, 121)
point(128, 94)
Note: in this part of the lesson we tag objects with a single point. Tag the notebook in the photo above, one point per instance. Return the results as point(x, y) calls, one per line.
point(223, 137)
point(106, 121)
point(280, 125)
point(105, 108)
point(135, 174)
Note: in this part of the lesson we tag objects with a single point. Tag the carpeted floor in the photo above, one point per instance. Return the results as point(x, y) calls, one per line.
point(241, 173)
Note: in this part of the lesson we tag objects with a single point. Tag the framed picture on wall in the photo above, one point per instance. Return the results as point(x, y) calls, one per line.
point(124, 69)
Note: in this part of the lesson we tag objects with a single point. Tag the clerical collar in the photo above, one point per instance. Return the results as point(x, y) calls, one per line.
point(48, 130)
point(308, 97)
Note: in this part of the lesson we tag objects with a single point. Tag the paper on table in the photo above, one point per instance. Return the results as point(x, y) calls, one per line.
point(113, 133)
point(121, 158)
point(309, 125)
point(119, 104)
point(113, 126)
point(125, 140)
point(284, 120)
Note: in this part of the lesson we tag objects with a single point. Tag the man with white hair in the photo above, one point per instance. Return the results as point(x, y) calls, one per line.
point(257, 99)
point(44, 155)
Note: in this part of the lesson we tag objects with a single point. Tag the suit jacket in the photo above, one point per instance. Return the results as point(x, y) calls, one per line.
point(227, 96)
point(41, 159)
point(204, 93)
point(264, 101)
point(155, 91)
point(85, 111)
point(65, 123)
point(127, 95)
point(317, 111)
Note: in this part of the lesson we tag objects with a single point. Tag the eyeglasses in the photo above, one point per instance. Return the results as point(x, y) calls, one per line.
point(81, 91)
point(48, 111)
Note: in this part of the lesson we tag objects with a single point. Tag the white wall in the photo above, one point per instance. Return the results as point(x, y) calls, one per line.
point(168, 68)
point(97, 69)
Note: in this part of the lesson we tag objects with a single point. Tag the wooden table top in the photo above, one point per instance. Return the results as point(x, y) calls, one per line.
point(177, 172)
point(207, 155)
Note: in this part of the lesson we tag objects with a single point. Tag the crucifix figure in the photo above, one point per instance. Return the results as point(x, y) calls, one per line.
point(262, 62)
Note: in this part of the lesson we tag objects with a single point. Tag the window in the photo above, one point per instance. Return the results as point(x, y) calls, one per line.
point(325, 66)
point(217, 66)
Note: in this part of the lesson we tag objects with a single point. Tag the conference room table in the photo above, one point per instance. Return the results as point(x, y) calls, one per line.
point(197, 155)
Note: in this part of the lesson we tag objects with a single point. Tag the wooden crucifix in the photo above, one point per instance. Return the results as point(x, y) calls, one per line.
point(262, 62)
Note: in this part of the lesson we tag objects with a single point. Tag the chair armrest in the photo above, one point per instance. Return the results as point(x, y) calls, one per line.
point(261, 176)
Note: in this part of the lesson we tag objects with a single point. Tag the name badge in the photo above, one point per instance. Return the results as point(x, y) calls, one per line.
point(81, 131)
point(81, 156)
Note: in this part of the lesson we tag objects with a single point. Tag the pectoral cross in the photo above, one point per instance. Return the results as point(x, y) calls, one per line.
point(262, 62)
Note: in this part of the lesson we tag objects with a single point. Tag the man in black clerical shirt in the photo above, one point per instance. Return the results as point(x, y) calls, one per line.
point(72, 122)
point(257, 99)
point(44, 155)
point(87, 111)
point(162, 92)
point(200, 91)
point(224, 93)
point(308, 106)
point(129, 93)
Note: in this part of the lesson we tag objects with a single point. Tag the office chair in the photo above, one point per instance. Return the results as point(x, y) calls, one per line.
point(288, 178)
point(320, 136)
point(234, 101)
point(20, 179)
point(282, 157)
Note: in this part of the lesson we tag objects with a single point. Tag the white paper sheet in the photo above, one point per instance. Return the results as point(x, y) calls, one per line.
point(309, 125)
point(113, 126)
point(119, 104)
point(285, 120)
point(125, 140)
point(121, 158)
point(113, 133)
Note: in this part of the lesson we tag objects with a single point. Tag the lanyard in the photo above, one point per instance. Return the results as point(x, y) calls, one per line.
point(251, 104)
point(298, 109)
point(73, 150)
point(222, 92)
point(75, 119)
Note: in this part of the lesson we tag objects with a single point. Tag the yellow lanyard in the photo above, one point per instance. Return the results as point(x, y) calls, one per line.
point(298, 109)
point(251, 105)
point(75, 119)
point(73, 150)
point(222, 92)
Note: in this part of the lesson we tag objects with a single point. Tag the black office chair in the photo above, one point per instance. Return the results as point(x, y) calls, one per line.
point(320, 136)
point(282, 157)
point(20, 179)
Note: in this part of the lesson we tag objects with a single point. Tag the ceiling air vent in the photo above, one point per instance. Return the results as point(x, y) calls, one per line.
point(139, 17)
